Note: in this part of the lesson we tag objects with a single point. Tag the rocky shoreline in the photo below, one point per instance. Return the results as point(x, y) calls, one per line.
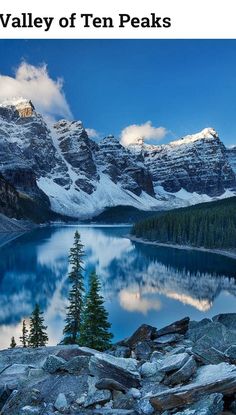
point(186, 368)
point(224, 252)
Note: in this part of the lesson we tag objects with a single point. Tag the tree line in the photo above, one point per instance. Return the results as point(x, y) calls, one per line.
point(209, 225)
point(86, 322)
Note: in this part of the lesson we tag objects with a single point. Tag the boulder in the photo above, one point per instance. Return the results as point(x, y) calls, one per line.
point(210, 379)
point(121, 351)
point(110, 384)
point(77, 365)
point(31, 410)
point(231, 353)
point(183, 374)
point(173, 362)
point(61, 403)
point(95, 396)
point(143, 333)
point(180, 327)
point(143, 350)
point(216, 331)
point(121, 370)
point(53, 364)
point(143, 406)
point(122, 401)
point(151, 371)
point(206, 350)
point(169, 339)
point(211, 405)
point(227, 319)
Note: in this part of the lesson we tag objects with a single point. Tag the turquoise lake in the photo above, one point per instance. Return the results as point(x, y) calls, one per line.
point(140, 283)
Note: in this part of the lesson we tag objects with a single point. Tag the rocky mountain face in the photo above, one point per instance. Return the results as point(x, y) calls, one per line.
point(197, 163)
point(61, 169)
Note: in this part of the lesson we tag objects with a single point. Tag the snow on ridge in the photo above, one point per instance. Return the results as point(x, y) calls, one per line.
point(80, 204)
point(15, 102)
point(206, 133)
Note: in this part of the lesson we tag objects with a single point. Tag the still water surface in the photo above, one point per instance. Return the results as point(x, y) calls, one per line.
point(141, 283)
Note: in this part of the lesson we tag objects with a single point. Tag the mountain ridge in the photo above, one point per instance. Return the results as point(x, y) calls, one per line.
point(64, 170)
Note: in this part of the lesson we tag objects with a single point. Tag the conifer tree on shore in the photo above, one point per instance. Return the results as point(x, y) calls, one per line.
point(24, 337)
point(13, 343)
point(95, 326)
point(37, 333)
point(74, 309)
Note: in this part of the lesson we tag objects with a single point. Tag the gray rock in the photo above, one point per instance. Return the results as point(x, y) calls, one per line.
point(122, 401)
point(179, 349)
point(61, 403)
point(110, 384)
point(169, 339)
point(214, 330)
point(121, 370)
point(31, 410)
point(77, 365)
point(156, 356)
point(173, 362)
point(227, 319)
point(121, 351)
point(211, 405)
point(205, 350)
point(54, 364)
point(183, 374)
point(143, 333)
point(135, 393)
point(96, 396)
point(143, 350)
point(150, 370)
point(180, 327)
point(210, 379)
point(231, 353)
point(143, 406)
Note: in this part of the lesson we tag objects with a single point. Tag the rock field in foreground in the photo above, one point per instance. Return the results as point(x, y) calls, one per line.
point(186, 368)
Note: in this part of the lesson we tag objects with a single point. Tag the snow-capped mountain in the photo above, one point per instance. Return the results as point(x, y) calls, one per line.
point(61, 169)
point(196, 163)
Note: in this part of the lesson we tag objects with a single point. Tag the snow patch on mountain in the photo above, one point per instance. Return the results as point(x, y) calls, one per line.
point(82, 205)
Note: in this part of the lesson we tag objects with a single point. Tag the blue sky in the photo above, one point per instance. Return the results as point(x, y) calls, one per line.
point(182, 85)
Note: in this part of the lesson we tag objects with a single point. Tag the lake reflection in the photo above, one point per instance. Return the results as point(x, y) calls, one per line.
point(141, 283)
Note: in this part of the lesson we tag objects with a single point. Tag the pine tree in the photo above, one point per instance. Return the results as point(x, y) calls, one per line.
point(75, 307)
point(24, 337)
point(37, 333)
point(13, 343)
point(95, 326)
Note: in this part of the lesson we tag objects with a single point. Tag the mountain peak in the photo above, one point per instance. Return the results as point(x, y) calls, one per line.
point(206, 133)
point(24, 106)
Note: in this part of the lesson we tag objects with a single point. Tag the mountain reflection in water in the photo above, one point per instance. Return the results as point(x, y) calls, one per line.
point(141, 283)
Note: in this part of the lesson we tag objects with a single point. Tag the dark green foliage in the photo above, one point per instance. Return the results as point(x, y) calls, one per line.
point(75, 307)
point(37, 333)
point(24, 337)
point(13, 343)
point(95, 326)
point(209, 225)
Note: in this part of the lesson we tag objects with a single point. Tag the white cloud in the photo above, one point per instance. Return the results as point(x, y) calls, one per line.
point(33, 82)
point(147, 131)
point(92, 133)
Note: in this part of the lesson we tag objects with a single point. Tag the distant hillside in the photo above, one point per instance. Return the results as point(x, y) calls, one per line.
point(209, 225)
point(123, 214)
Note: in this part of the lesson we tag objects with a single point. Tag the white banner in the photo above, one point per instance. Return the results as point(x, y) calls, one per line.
point(163, 19)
